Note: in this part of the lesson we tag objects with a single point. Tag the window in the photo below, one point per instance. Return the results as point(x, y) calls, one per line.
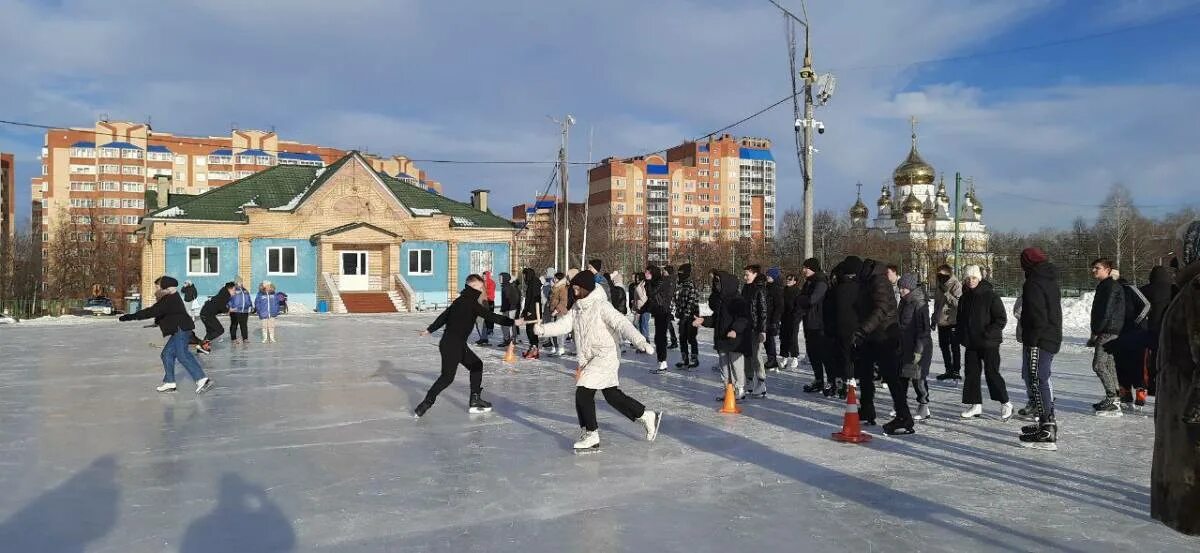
point(132, 238)
point(179, 190)
point(81, 202)
point(264, 160)
point(245, 160)
point(717, 162)
point(133, 204)
point(181, 160)
point(83, 220)
point(420, 262)
point(110, 153)
point(281, 261)
point(110, 186)
point(244, 174)
point(200, 160)
point(203, 260)
point(83, 169)
point(703, 172)
point(620, 208)
point(83, 152)
point(180, 176)
point(110, 202)
point(133, 187)
point(220, 160)
point(703, 160)
point(110, 169)
point(131, 154)
point(131, 170)
point(158, 156)
point(79, 186)
point(130, 220)
point(481, 261)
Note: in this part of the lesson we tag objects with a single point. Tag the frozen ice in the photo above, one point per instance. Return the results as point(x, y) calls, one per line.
point(309, 445)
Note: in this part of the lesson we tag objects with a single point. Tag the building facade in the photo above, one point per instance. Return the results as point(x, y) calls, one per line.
point(719, 189)
point(537, 226)
point(345, 234)
point(914, 211)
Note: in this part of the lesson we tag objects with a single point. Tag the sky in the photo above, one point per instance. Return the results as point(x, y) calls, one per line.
point(1044, 103)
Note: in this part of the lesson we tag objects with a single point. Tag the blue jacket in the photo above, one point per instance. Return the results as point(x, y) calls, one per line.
point(267, 305)
point(240, 301)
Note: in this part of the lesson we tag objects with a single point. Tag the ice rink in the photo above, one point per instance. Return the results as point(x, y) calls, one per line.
point(310, 445)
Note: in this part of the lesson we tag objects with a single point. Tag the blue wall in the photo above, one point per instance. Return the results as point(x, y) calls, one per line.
point(227, 263)
point(301, 288)
point(429, 288)
point(500, 262)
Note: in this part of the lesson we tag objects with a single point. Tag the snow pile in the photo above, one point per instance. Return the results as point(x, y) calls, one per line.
point(1077, 315)
point(67, 320)
point(171, 212)
point(5, 320)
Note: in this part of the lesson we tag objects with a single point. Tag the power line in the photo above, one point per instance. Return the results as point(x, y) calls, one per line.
point(1073, 204)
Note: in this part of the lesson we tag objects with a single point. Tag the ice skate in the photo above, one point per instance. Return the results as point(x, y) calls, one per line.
point(421, 408)
point(1110, 408)
point(816, 386)
point(1006, 411)
point(204, 384)
point(532, 353)
point(589, 440)
point(738, 394)
point(972, 411)
point(478, 405)
point(922, 412)
point(167, 387)
point(897, 427)
point(829, 391)
point(662, 368)
point(1028, 412)
point(651, 420)
point(948, 375)
point(759, 391)
point(1046, 438)
point(771, 365)
point(694, 364)
point(265, 338)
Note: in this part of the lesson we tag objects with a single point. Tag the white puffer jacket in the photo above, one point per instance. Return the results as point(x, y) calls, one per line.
point(597, 326)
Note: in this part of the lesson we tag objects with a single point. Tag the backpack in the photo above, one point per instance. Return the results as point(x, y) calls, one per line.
point(619, 300)
point(1136, 302)
point(189, 293)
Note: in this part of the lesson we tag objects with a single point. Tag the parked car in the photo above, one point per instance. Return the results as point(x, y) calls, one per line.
point(99, 306)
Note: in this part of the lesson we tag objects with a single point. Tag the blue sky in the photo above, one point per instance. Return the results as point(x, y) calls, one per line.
point(1044, 131)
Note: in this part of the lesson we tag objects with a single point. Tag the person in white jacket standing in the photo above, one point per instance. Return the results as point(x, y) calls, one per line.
point(598, 326)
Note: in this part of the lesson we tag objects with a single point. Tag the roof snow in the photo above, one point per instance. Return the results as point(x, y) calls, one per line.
point(171, 212)
point(463, 222)
point(425, 212)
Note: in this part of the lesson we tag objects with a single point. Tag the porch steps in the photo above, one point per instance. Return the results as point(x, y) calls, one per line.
point(368, 302)
point(398, 301)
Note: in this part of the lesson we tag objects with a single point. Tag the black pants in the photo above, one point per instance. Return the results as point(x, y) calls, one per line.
point(585, 405)
point(236, 321)
point(818, 347)
point(951, 350)
point(533, 339)
point(840, 362)
point(1131, 366)
point(772, 344)
point(986, 361)
point(212, 327)
point(662, 324)
point(687, 341)
point(898, 386)
point(789, 338)
point(1152, 369)
point(872, 355)
point(671, 330)
point(489, 325)
point(454, 355)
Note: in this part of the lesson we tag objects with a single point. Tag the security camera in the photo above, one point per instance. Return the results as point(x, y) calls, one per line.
point(820, 127)
point(799, 123)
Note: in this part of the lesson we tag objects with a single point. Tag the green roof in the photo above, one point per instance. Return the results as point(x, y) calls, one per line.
point(286, 187)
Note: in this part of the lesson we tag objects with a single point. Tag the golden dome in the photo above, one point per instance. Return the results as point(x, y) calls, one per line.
point(859, 211)
point(914, 170)
point(885, 197)
point(978, 207)
point(930, 207)
point(912, 204)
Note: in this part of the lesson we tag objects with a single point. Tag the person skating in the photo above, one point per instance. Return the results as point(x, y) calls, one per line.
point(733, 331)
point(208, 315)
point(266, 304)
point(672, 283)
point(603, 283)
point(789, 323)
point(915, 348)
point(1158, 292)
point(459, 320)
point(510, 303)
point(597, 327)
point(810, 310)
point(1175, 475)
point(658, 306)
point(559, 294)
point(532, 310)
point(240, 304)
point(981, 321)
point(774, 296)
point(754, 292)
point(637, 300)
point(1108, 317)
point(485, 330)
point(1040, 332)
point(945, 310)
point(878, 336)
point(1130, 346)
point(175, 323)
point(687, 308)
point(841, 322)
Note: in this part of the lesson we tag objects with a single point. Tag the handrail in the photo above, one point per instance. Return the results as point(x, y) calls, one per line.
point(335, 296)
point(406, 290)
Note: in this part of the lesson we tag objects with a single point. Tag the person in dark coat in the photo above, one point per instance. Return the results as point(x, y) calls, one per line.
point(532, 310)
point(215, 305)
point(510, 303)
point(877, 338)
point(658, 306)
point(810, 311)
point(1041, 337)
point(1158, 292)
point(1108, 316)
point(733, 330)
point(1130, 354)
point(459, 320)
point(175, 322)
point(1175, 476)
point(687, 308)
point(671, 280)
point(841, 322)
point(916, 355)
point(789, 323)
point(754, 291)
point(981, 321)
point(774, 296)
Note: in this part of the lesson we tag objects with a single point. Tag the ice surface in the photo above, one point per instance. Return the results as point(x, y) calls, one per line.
point(308, 445)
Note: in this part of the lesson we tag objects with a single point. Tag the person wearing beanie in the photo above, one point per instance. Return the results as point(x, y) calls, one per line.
point(774, 296)
point(877, 338)
point(755, 293)
point(981, 321)
point(1174, 492)
point(458, 319)
point(175, 322)
point(687, 308)
point(840, 323)
point(598, 328)
point(532, 308)
point(916, 353)
point(672, 282)
point(1040, 333)
point(810, 310)
point(658, 307)
point(946, 298)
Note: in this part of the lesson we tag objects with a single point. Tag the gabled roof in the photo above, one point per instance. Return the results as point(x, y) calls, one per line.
point(344, 228)
point(287, 187)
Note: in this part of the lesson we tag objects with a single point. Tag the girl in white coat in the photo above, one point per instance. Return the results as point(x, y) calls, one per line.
point(598, 326)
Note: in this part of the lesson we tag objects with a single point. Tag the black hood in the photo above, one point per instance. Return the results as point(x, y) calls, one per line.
point(852, 265)
point(529, 276)
point(505, 278)
point(871, 268)
point(471, 293)
point(760, 280)
point(655, 272)
point(167, 282)
point(1160, 275)
point(1043, 270)
point(727, 284)
point(685, 272)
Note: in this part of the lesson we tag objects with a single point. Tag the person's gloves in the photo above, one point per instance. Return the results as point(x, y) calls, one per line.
point(125, 318)
point(857, 339)
point(649, 350)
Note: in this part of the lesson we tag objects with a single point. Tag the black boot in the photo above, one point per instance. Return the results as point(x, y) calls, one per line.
point(1046, 438)
point(695, 362)
point(816, 386)
point(422, 407)
point(898, 426)
point(478, 405)
point(949, 375)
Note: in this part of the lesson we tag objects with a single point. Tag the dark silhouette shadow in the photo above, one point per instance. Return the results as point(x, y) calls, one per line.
point(245, 519)
point(69, 517)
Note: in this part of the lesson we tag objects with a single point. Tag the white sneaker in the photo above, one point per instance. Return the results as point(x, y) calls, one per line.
point(662, 366)
point(1006, 411)
point(203, 385)
point(167, 387)
point(264, 338)
point(892, 413)
point(588, 440)
point(973, 411)
point(651, 420)
point(922, 413)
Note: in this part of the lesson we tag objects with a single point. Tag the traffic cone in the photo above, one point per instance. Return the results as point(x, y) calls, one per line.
point(510, 354)
point(851, 430)
point(730, 406)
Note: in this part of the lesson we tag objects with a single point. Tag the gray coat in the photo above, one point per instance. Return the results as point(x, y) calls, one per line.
point(945, 302)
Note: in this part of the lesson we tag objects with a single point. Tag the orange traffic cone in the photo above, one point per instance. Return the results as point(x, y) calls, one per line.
point(510, 354)
point(851, 430)
point(730, 407)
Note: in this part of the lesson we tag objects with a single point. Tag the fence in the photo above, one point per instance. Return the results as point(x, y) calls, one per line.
point(29, 309)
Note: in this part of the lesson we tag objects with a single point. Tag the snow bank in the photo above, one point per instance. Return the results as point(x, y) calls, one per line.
point(67, 320)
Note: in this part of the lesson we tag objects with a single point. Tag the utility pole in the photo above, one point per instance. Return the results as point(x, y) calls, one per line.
point(957, 215)
point(587, 202)
point(563, 173)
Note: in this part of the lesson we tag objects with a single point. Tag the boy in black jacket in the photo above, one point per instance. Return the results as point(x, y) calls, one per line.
point(208, 315)
point(878, 335)
point(732, 330)
point(755, 293)
point(459, 320)
point(174, 320)
point(1041, 338)
point(1108, 317)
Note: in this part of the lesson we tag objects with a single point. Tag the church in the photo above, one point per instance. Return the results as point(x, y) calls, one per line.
point(916, 216)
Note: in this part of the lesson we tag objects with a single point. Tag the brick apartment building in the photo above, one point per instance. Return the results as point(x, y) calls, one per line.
point(719, 189)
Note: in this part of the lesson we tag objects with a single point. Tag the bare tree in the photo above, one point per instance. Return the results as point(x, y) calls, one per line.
point(1117, 219)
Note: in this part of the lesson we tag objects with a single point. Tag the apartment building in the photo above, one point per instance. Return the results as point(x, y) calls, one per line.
point(536, 221)
point(719, 189)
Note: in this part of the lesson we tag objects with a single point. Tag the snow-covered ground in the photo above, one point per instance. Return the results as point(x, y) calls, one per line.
point(308, 445)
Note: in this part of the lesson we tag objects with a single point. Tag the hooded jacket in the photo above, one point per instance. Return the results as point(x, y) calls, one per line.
point(216, 304)
point(730, 312)
point(558, 297)
point(510, 293)
point(1108, 308)
point(459, 318)
point(811, 301)
point(1158, 292)
point(618, 295)
point(981, 317)
point(876, 304)
point(687, 298)
point(169, 312)
point(774, 297)
point(839, 309)
point(598, 327)
point(1137, 310)
point(533, 295)
point(240, 301)
point(658, 294)
point(791, 305)
point(755, 295)
point(916, 336)
point(945, 300)
point(266, 304)
point(1041, 308)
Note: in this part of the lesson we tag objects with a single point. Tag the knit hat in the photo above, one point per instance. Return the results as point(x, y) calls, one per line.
point(974, 271)
point(908, 281)
point(685, 271)
point(1032, 257)
point(596, 264)
point(1191, 243)
point(774, 273)
point(812, 264)
point(852, 265)
point(167, 282)
point(585, 280)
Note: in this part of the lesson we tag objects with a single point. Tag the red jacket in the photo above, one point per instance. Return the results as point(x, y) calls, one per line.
point(491, 286)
